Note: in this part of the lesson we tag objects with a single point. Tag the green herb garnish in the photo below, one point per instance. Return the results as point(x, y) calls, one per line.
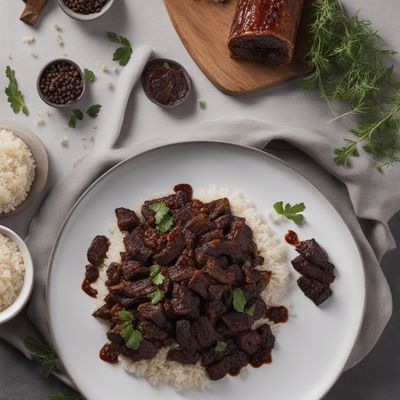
point(89, 75)
point(94, 110)
point(155, 274)
point(132, 337)
point(75, 116)
point(290, 212)
point(14, 95)
point(220, 346)
point(349, 62)
point(122, 54)
point(163, 219)
point(202, 104)
point(250, 311)
point(44, 354)
point(65, 396)
point(166, 66)
point(156, 296)
point(238, 300)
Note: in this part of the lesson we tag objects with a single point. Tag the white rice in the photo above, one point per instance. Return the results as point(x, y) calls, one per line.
point(182, 377)
point(17, 171)
point(12, 272)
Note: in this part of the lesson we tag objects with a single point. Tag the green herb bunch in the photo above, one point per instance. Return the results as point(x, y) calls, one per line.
point(349, 62)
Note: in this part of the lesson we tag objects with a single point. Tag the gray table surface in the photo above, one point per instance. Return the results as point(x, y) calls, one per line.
point(376, 378)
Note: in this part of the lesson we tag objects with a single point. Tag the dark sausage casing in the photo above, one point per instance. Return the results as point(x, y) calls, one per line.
point(265, 30)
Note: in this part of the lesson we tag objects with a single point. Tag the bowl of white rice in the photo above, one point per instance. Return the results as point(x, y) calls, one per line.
point(23, 168)
point(16, 274)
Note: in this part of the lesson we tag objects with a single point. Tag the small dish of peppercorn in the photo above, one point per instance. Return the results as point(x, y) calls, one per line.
point(85, 10)
point(61, 83)
point(165, 82)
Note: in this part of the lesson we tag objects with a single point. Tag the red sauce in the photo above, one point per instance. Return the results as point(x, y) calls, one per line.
point(278, 314)
point(109, 353)
point(87, 288)
point(260, 363)
point(236, 372)
point(184, 187)
point(292, 238)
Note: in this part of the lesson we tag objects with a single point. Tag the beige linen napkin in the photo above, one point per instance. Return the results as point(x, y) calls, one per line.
point(353, 191)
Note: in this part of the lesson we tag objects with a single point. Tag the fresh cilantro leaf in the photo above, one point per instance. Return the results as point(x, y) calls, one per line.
point(163, 219)
point(134, 341)
point(238, 300)
point(290, 212)
point(250, 310)
point(155, 296)
point(122, 54)
point(125, 316)
point(126, 331)
point(44, 354)
point(202, 104)
point(14, 95)
point(89, 75)
point(65, 396)
point(75, 116)
point(220, 346)
point(155, 274)
point(94, 110)
point(167, 66)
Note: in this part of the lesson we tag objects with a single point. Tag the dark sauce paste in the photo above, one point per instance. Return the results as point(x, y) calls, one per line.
point(292, 238)
point(87, 288)
point(166, 83)
point(278, 315)
point(258, 364)
point(109, 353)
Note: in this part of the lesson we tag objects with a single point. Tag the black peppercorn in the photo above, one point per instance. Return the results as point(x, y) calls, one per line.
point(85, 6)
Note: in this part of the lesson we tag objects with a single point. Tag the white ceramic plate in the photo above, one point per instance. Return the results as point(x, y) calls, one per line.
point(312, 347)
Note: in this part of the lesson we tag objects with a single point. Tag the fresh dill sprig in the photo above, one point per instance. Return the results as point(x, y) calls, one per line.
point(44, 354)
point(349, 66)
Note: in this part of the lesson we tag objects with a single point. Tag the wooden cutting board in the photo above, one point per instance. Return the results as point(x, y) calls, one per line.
point(204, 27)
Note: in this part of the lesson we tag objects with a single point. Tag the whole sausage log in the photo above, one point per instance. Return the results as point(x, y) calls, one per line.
point(265, 30)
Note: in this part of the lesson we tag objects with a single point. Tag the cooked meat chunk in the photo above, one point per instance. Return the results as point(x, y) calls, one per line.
point(133, 270)
point(114, 274)
point(260, 308)
point(242, 234)
point(314, 290)
point(136, 248)
point(114, 336)
point(185, 302)
point(249, 341)
point(154, 313)
point(184, 214)
point(185, 337)
point(137, 289)
point(173, 249)
point(231, 363)
point(104, 312)
point(215, 292)
point(236, 322)
point(199, 283)
point(146, 351)
point(98, 250)
point(125, 256)
point(312, 251)
point(212, 356)
point(215, 309)
point(127, 220)
point(267, 338)
point(199, 225)
point(309, 270)
point(151, 331)
point(218, 248)
point(224, 222)
point(179, 274)
point(209, 236)
point(205, 332)
point(219, 274)
point(277, 314)
point(183, 356)
point(217, 208)
point(261, 356)
point(92, 273)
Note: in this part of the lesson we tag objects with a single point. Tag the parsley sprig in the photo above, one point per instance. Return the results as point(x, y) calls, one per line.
point(162, 216)
point(75, 116)
point(122, 54)
point(93, 110)
point(44, 354)
point(349, 60)
point(131, 336)
point(290, 212)
point(220, 346)
point(89, 75)
point(239, 302)
point(14, 95)
point(158, 279)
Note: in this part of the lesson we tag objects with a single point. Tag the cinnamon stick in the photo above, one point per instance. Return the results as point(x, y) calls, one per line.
point(32, 11)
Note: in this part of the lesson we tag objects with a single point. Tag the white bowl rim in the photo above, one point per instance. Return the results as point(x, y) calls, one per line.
point(85, 17)
point(25, 293)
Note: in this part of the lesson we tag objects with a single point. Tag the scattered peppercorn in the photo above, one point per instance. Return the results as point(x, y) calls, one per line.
point(85, 6)
point(61, 83)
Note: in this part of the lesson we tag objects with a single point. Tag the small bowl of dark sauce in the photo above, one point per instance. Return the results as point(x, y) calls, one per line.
point(61, 83)
point(166, 82)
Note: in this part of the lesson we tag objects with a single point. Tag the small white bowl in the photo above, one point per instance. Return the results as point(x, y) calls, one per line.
point(85, 17)
point(23, 297)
